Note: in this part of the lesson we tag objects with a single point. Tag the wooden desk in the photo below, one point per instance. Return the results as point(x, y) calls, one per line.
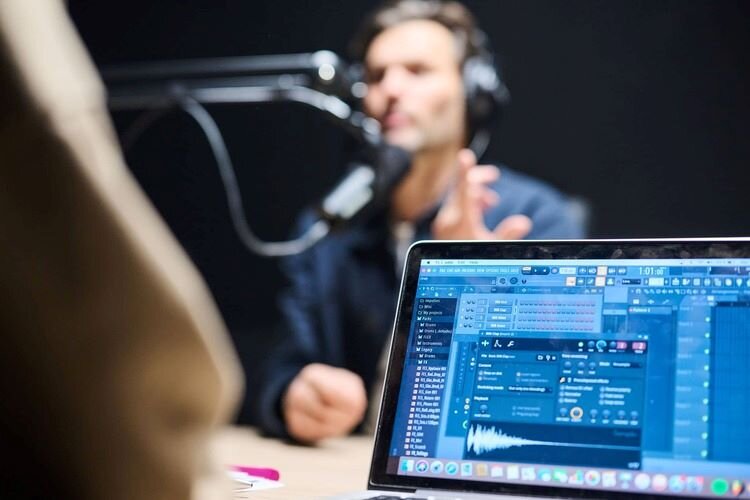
point(333, 467)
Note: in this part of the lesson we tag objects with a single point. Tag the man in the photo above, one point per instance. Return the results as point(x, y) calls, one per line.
point(341, 302)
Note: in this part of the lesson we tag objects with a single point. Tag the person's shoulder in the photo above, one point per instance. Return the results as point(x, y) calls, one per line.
point(554, 214)
point(515, 185)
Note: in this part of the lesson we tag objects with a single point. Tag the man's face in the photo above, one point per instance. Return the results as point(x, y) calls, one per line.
point(415, 88)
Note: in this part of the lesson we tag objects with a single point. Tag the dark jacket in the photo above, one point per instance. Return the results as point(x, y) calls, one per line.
point(340, 306)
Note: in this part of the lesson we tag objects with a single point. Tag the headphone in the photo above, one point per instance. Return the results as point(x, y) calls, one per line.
point(486, 93)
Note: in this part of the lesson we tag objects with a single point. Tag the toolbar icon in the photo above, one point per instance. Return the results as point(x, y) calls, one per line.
point(642, 481)
point(659, 482)
point(738, 488)
point(560, 476)
point(592, 477)
point(576, 478)
point(545, 475)
point(513, 472)
point(677, 483)
point(626, 478)
point(609, 479)
point(694, 484)
point(719, 486)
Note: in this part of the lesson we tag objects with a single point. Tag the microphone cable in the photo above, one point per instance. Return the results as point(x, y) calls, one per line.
point(220, 152)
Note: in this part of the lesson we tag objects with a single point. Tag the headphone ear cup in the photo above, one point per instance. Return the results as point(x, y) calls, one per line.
point(486, 93)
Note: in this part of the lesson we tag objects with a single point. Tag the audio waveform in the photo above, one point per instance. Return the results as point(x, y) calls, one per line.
point(485, 439)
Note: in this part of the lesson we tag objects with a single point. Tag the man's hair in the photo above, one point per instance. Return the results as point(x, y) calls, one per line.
point(470, 40)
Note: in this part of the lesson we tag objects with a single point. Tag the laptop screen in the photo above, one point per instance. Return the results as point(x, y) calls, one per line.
point(610, 375)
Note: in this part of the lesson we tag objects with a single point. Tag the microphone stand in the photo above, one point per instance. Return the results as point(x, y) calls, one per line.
point(318, 80)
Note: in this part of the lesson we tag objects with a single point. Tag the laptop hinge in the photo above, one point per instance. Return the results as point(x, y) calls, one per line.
point(460, 495)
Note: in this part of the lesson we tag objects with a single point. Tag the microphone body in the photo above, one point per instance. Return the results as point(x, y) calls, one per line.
point(367, 188)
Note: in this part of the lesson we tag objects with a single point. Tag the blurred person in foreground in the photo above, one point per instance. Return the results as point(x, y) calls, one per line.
point(116, 371)
point(340, 305)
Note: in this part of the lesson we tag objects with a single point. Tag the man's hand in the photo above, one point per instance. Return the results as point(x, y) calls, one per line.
point(323, 401)
point(461, 217)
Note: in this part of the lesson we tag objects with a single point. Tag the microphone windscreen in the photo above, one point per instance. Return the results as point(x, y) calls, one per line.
point(366, 189)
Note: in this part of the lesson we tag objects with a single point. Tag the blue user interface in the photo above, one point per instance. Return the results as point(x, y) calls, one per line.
point(608, 374)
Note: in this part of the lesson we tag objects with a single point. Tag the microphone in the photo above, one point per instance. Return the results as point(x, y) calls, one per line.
point(366, 190)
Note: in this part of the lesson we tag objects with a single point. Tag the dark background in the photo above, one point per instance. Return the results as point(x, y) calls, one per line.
point(639, 106)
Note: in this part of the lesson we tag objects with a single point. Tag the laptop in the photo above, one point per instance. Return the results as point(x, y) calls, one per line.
point(568, 369)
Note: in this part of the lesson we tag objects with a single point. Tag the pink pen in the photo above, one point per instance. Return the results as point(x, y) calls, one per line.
point(264, 472)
